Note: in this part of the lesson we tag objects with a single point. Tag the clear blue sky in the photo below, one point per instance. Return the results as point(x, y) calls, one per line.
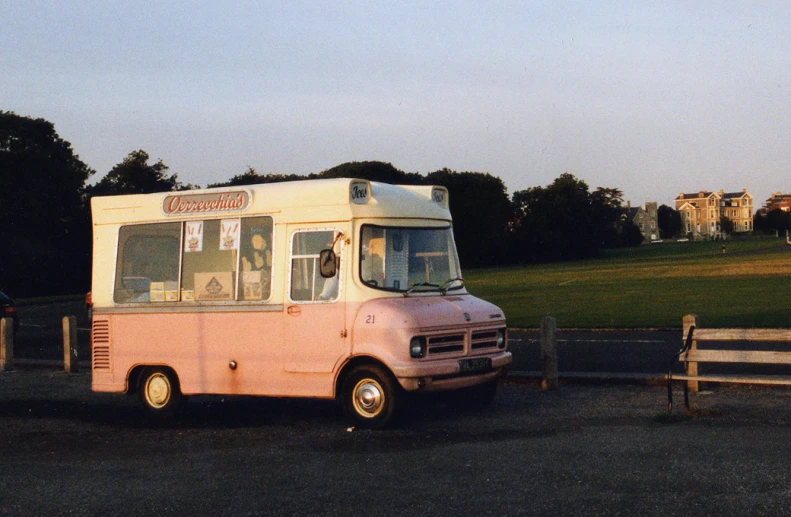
point(654, 98)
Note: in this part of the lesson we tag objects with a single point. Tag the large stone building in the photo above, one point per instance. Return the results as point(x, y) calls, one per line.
point(701, 212)
point(779, 200)
point(643, 218)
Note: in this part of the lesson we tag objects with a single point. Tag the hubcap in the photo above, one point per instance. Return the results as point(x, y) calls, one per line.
point(368, 398)
point(158, 390)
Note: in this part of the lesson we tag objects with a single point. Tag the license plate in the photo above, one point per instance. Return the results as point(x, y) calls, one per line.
point(476, 364)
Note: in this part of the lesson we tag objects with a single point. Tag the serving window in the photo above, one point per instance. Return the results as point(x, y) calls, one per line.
point(216, 260)
point(148, 262)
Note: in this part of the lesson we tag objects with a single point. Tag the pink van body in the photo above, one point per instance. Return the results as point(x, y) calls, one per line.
point(247, 352)
point(275, 333)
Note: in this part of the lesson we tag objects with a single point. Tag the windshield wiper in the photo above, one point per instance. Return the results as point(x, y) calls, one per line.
point(421, 284)
point(444, 287)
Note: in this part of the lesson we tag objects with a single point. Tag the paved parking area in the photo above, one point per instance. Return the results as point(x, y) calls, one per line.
point(585, 449)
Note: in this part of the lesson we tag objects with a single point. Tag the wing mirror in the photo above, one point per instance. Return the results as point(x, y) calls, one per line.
point(328, 263)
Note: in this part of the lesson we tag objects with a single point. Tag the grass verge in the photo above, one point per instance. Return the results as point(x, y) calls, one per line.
point(649, 286)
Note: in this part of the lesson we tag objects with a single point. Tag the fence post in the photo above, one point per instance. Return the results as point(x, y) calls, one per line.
point(6, 344)
point(549, 354)
point(692, 367)
point(70, 363)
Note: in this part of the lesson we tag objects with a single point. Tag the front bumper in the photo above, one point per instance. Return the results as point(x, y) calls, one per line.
point(446, 374)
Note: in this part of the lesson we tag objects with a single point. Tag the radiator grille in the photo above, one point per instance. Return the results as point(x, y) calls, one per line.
point(100, 340)
point(446, 344)
point(473, 341)
point(484, 339)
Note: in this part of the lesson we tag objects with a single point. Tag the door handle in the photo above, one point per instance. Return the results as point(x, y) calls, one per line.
point(294, 310)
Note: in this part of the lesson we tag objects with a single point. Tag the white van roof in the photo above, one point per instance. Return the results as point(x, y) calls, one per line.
point(296, 201)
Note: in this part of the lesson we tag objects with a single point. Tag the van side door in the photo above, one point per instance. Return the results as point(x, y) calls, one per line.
point(315, 309)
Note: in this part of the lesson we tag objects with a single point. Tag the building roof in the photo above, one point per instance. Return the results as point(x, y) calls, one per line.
point(703, 194)
point(696, 195)
point(630, 211)
point(731, 195)
point(779, 195)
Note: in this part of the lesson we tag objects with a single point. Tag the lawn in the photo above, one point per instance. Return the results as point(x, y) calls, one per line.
point(650, 286)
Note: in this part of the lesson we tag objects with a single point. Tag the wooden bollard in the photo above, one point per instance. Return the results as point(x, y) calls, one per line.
point(549, 354)
point(70, 363)
point(692, 367)
point(6, 344)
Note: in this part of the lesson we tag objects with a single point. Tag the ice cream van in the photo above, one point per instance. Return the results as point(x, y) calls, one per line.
point(339, 289)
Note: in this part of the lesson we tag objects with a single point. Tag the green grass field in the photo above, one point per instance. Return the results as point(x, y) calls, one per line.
point(650, 286)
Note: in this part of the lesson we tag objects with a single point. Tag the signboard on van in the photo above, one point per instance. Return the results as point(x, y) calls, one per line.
point(213, 203)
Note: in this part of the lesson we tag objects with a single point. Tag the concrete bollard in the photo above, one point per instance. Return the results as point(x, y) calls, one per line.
point(70, 362)
point(549, 354)
point(6, 344)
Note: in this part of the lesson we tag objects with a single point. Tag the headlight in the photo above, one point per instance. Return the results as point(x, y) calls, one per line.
point(417, 347)
point(501, 338)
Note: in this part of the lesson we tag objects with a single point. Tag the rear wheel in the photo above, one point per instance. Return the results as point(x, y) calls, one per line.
point(369, 396)
point(159, 391)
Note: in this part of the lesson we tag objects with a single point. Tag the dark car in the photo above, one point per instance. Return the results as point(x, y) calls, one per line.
point(8, 310)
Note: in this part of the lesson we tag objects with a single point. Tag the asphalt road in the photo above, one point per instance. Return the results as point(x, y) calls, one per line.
point(585, 449)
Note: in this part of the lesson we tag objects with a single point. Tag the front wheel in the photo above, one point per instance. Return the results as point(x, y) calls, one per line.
point(159, 392)
point(369, 396)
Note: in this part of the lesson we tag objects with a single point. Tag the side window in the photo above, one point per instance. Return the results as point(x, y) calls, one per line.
point(307, 283)
point(256, 260)
point(148, 263)
point(220, 259)
point(211, 251)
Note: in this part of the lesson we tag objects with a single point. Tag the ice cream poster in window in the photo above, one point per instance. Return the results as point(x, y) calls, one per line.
point(229, 234)
point(193, 236)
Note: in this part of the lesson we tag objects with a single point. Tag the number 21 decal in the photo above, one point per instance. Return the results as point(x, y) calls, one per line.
point(371, 318)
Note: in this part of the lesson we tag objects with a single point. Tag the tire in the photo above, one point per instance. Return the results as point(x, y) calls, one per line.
point(159, 392)
point(369, 396)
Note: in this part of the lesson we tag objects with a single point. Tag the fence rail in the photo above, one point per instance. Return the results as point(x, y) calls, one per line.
point(70, 362)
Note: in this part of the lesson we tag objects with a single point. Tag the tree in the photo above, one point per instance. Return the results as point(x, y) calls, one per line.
point(481, 212)
point(251, 177)
point(669, 221)
point(726, 225)
point(135, 176)
point(373, 171)
point(778, 220)
point(45, 227)
point(608, 217)
point(563, 220)
point(631, 235)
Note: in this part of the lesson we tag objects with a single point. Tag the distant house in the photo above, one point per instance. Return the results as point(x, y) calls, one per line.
point(643, 218)
point(701, 212)
point(779, 200)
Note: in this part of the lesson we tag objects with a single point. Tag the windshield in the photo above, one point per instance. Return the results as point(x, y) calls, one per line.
point(409, 260)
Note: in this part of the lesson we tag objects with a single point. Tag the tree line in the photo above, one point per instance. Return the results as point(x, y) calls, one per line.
point(45, 230)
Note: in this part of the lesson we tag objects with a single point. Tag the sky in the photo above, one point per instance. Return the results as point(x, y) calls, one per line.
point(653, 98)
